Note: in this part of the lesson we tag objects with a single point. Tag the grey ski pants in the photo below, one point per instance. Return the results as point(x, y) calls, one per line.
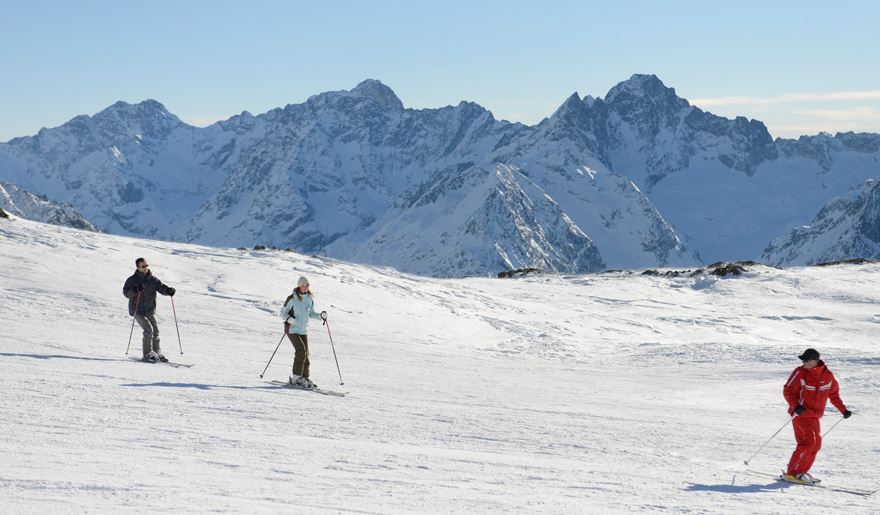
point(151, 333)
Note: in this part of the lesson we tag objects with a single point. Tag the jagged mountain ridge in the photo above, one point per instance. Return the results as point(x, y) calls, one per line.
point(336, 173)
point(306, 175)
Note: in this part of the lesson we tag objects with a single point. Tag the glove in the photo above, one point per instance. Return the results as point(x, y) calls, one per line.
point(171, 291)
point(799, 409)
point(140, 287)
point(847, 414)
point(323, 315)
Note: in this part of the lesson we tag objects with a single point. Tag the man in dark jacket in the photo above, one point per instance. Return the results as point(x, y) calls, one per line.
point(807, 391)
point(141, 289)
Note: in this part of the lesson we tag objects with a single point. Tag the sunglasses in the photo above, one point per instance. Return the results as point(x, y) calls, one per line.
point(144, 266)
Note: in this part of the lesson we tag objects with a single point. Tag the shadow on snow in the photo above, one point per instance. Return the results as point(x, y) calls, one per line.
point(199, 386)
point(55, 356)
point(737, 489)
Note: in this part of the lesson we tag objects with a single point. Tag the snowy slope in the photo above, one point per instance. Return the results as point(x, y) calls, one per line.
point(499, 205)
point(23, 203)
point(549, 394)
point(846, 227)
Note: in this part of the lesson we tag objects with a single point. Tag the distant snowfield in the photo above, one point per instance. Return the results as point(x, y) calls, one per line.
point(551, 394)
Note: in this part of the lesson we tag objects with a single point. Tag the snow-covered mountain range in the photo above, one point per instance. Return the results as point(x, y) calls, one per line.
point(637, 178)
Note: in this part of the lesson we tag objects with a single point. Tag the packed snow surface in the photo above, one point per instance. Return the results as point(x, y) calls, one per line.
point(547, 394)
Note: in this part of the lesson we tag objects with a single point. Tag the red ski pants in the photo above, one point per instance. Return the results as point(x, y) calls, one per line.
point(809, 440)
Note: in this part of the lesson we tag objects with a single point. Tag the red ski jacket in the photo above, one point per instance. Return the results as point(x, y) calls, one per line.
point(812, 388)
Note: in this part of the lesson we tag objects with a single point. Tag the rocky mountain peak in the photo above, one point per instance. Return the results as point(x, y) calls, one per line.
point(378, 92)
point(640, 85)
point(642, 94)
point(572, 105)
point(148, 117)
point(149, 108)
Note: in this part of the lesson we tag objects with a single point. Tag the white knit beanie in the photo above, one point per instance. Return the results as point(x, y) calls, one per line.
point(302, 281)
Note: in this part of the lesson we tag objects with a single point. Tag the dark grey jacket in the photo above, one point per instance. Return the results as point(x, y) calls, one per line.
point(146, 302)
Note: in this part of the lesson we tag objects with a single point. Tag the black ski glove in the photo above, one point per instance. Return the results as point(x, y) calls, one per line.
point(140, 287)
point(799, 409)
point(323, 315)
point(847, 414)
point(171, 291)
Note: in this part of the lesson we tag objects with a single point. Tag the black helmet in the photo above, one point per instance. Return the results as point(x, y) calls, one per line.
point(809, 354)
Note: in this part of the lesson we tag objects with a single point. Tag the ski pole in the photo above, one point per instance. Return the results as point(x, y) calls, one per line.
point(832, 427)
point(273, 354)
point(136, 304)
point(768, 441)
point(175, 324)
point(334, 351)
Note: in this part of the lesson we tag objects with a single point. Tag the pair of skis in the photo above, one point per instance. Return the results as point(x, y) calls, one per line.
point(169, 363)
point(316, 390)
point(780, 477)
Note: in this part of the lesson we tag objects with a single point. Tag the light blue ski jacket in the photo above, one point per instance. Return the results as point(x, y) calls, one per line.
point(302, 311)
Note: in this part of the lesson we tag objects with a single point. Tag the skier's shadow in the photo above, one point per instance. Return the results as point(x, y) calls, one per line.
point(199, 386)
point(55, 356)
point(736, 489)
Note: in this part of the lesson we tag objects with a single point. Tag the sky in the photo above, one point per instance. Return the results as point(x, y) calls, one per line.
point(800, 67)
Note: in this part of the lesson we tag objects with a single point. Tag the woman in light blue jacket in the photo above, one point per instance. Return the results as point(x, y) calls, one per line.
point(298, 309)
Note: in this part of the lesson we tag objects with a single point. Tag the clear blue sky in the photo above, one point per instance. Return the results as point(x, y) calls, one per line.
point(801, 66)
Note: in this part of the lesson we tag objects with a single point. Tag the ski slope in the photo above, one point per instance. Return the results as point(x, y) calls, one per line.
point(603, 393)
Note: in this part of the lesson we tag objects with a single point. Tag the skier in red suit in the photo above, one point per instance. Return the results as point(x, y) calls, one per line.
point(807, 390)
